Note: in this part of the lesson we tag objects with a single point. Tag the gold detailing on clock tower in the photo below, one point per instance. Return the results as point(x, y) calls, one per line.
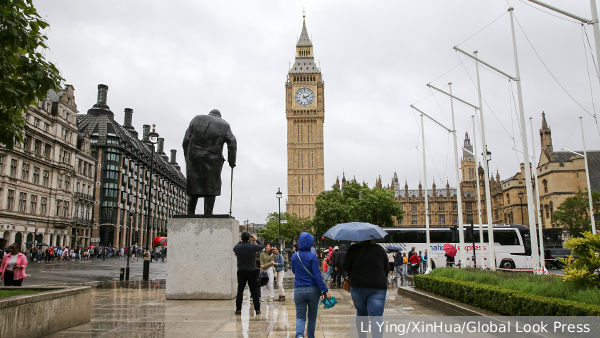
point(305, 114)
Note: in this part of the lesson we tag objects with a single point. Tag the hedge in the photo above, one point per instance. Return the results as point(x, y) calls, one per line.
point(503, 301)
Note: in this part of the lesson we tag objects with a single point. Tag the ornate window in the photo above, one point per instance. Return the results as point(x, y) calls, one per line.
point(545, 184)
point(507, 198)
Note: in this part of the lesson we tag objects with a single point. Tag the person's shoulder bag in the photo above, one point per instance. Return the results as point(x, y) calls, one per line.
point(347, 285)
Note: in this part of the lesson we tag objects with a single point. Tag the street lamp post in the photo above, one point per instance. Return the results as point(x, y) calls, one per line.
point(521, 198)
point(279, 195)
point(129, 243)
point(153, 138)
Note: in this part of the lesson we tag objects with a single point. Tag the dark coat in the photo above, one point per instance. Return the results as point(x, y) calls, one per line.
point(203, 151)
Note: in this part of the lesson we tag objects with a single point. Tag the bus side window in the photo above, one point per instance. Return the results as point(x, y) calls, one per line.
point(485, 236)
point(507, 237)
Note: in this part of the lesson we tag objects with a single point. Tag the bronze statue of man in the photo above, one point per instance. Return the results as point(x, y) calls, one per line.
point(203, 152)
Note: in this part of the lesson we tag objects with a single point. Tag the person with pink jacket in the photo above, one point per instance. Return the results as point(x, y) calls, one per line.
point(13, 267)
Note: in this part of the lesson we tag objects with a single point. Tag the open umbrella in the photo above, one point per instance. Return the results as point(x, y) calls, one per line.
point(450, 249)
point(42, 244)
point(30, 242)
point(393, 248)
point(160, 241)
point(355, 231)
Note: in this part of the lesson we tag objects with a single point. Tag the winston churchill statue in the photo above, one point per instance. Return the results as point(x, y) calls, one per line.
point(203, 151)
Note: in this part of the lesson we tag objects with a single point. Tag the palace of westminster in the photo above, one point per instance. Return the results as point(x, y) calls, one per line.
point(84, 179)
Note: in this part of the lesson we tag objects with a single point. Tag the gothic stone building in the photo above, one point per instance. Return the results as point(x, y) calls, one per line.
point(126, 195)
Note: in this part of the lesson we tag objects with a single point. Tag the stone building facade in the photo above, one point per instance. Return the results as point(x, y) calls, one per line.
point(126, 196)
point(305, 114)
point(45, 182)
point(561, 174)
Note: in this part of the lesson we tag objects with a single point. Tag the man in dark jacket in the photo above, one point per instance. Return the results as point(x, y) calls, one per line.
point(339, 266)
point(203, 151)
point(246, 272)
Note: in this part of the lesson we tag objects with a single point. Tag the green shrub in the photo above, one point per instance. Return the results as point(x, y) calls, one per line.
point(503, 301)
point(540, 285)
point(582, 271)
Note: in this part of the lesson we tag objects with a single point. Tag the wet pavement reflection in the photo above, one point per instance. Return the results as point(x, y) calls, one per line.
point(139, 309)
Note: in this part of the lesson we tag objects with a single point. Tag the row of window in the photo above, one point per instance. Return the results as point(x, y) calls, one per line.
point(21, 203)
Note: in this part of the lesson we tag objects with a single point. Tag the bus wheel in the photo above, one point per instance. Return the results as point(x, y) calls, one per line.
point(507, 265)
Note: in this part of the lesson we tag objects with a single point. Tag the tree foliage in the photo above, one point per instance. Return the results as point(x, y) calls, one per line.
point(583, 270)
point(290, 231)
point(574, 213)
point(356, 203)
point(24, 72)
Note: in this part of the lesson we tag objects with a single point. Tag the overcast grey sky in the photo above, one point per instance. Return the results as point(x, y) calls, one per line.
point(172, 60)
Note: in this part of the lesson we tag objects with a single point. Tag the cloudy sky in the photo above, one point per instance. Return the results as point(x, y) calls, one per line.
point(172, 60)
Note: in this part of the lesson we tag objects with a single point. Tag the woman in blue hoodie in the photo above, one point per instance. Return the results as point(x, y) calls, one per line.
point(308, 286)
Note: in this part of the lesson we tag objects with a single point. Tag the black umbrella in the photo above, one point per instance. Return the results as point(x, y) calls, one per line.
point(42, 244)
point(79, 245)
point(30, 242)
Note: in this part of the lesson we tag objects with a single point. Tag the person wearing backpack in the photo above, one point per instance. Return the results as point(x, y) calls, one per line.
point(404, 264)
point(308, 286)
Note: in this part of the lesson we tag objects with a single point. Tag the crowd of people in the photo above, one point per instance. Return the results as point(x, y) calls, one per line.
point(366, 265)
point(47, 254)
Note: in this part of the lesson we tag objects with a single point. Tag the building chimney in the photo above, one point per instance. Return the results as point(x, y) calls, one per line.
point(102, 92)
point(128, 117)
point(145, 137)
point(161, 145)
point(173, 156)
point(101, 108)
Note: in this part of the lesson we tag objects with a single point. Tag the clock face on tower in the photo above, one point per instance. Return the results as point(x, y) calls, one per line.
point(305, 97)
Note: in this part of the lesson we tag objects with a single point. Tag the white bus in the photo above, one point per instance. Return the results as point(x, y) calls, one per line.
point(512, 244)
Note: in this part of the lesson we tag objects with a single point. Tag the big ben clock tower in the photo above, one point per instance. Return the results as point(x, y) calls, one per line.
point(305, 113)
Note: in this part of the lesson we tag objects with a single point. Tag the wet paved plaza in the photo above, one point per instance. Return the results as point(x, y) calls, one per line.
point(139, 309)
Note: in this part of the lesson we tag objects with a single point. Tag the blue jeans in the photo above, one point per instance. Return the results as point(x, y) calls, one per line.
point(306, 297)
point(328, 274)
point(368, 303)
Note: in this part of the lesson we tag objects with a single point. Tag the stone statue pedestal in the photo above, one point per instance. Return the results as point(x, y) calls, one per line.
point(201, 263)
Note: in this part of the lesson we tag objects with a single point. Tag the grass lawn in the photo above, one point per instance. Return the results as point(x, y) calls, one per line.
point(10, 293)
point(541, 285)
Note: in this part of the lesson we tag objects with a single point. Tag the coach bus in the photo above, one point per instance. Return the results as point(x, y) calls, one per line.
point(512, 244)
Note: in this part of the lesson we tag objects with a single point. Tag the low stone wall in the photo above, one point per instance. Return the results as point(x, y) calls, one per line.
point(52, 309)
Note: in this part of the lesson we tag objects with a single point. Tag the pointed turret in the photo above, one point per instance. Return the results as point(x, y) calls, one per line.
point(305, 60)
point(468, 146)
point(546, 137)
point(337, 182)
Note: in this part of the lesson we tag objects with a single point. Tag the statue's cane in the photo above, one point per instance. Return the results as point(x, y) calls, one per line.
point(231, 193)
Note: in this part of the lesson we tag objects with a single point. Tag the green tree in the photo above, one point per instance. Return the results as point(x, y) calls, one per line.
point(290, 231)
point(574, 213)
point(582, 271)
point(356, 203)
point(24, 72)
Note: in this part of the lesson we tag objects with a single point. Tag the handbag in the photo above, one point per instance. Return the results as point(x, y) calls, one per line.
point(263, 278)
point(347, 283)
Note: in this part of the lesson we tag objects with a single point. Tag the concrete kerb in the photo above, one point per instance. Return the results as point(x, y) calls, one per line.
point(53, 309)
point(445, 305)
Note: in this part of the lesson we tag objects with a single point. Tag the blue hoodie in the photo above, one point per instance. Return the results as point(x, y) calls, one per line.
point(311, 262)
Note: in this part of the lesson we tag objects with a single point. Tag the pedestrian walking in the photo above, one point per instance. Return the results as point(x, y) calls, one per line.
point(308, 286)
point(398, 265)
point(13, 266)
point(404, 264)
point(246, 270)
point(340, 275)
point(333, 264)
point(391, 258)
point(368, 267)
point(267, 293)
point(329, 271)
point(279, 271)
point(449, 261)
point(424, 260)
point(415, 262)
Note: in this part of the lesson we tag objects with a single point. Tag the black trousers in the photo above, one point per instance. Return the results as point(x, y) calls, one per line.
point(8, 279)
point(243, 277)
point(339, 277)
